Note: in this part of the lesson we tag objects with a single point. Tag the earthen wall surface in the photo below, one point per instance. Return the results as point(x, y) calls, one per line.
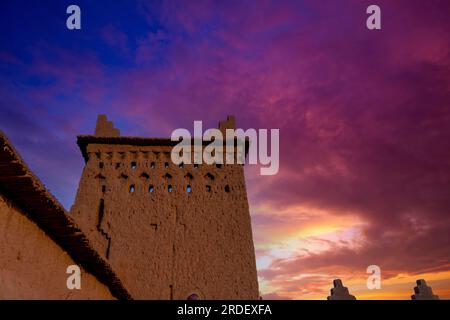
point(33, 266)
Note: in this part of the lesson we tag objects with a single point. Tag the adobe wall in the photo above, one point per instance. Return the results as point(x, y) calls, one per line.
point(168, 245)
point(33, 266)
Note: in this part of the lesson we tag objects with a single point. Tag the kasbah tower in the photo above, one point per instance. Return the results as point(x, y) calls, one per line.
point(168, 231)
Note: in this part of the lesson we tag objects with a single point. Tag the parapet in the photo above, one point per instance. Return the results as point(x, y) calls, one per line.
point(105, 128)
point(106, 134)
point(339, 292)
point(230, 123)
point(423, 292)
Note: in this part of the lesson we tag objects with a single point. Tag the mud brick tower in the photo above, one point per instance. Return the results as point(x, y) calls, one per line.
point(168, 231)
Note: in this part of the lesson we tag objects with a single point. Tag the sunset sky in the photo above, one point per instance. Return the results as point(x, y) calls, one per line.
point(364, 119)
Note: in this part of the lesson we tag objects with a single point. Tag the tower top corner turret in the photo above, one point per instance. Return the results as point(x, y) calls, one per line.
point(105, 128)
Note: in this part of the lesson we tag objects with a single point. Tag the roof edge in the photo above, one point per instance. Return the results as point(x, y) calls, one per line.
point(84, 140)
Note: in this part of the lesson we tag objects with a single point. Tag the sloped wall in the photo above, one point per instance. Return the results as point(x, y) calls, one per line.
point(33, 266)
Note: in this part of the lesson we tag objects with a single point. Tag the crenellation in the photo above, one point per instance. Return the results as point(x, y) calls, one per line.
point(105, 128)
point(229, 123)
point(339, 292)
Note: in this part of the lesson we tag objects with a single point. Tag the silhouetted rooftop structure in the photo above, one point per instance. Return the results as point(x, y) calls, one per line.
point(339, 292)
point(423, 292)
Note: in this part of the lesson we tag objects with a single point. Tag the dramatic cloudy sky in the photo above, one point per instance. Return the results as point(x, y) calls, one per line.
point(364, 118)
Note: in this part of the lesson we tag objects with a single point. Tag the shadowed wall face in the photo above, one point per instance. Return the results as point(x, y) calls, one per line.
point(168, 231)
point(33, 266)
